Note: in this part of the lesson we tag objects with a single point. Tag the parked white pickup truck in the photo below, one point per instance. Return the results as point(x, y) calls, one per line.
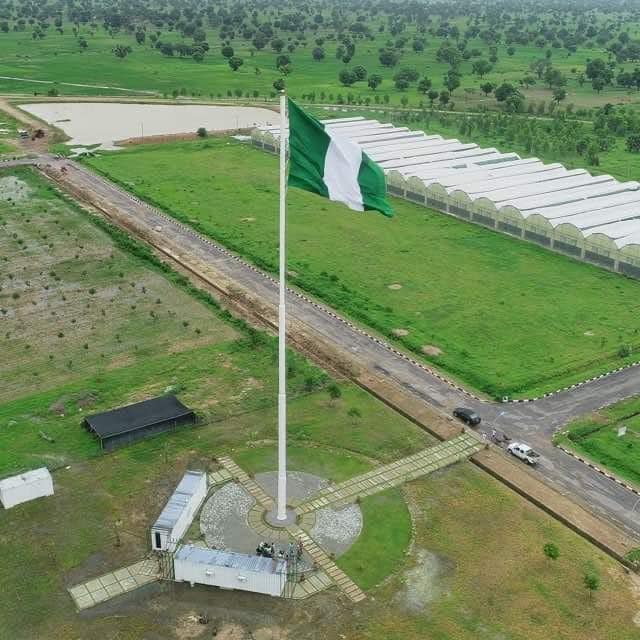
point(524, 452)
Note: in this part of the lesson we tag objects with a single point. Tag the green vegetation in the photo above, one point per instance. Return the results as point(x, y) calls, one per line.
point(98, 520)
point(576, 54)
point(485, 576)
point(596, 437)
point(385, 536)
point(458, 281)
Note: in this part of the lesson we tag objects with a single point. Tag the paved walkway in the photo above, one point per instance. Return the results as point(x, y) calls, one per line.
point(115, 583)
point(394, 473)
point(261, 497)
point(219, 476)
point(322, 560)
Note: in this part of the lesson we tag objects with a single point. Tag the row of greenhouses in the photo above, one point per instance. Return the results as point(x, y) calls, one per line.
point(591, 218)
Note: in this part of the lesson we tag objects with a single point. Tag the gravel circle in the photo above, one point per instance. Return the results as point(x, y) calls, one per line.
point(337, 529)
point(229, 503)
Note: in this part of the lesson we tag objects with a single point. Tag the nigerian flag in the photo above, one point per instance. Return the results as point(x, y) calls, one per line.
point(338, 169)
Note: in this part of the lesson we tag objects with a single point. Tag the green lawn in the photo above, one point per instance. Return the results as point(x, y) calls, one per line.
point(596, 437)
point(510, 318)
point(59, 59)
point(492, 579)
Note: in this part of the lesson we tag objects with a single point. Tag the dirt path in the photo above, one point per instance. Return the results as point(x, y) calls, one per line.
point(76, 84)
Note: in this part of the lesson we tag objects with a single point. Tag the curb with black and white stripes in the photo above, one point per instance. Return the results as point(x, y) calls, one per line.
point(631, 365)
point(599, 470)
point(385, 345)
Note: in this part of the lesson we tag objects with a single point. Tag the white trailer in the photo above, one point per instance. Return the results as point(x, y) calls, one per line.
point(199, 565)
point(178, 513)
point(25, 487)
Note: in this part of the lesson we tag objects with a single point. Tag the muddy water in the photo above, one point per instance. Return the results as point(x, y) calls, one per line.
point(104, 123)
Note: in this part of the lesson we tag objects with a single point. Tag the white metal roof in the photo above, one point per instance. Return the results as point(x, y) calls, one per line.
point(28, 477)
point(179, 500)
point(594, 204)
point(240, 561)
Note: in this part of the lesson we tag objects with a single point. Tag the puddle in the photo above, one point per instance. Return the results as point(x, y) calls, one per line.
point(88, 123)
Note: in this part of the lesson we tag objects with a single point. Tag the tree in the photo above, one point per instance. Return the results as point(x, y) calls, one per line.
point(141, 36)
point(318, 54)
point(277, 45)
point(481, 67)
point(633, 143)
point(487, 88)
point(360, 72)
point(598, 68)
point(121, 51)
point(452, 80)
point(82, 43)
point(374, 81)
point(235, 63)
point(591, 582)
point(511, 51)
point(388, 58)
point(444, 97)
point(551, 551)
point(433, 96)
point(598, 84)
point(202, 132)
point(424, 85)
point(504, 91)
point(401, 83)
point(278, 84)
point(227, 52)
point(346, 77)
point(334, 391)
point(554, 78)
point(559, 94)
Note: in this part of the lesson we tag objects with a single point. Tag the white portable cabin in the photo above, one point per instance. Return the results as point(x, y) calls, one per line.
point(178, 513)
point(198, 565)
point(25, 487)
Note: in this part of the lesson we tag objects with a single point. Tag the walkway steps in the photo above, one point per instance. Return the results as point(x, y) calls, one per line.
point(324, 561)
point(115, 583)
point(261, 497)
point(394, 474)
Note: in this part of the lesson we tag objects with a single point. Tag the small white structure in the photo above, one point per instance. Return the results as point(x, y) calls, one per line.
point(198, 565)
point(25, 487)
point(178, 513)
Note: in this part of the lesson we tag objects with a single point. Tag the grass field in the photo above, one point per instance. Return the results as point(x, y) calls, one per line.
point(596, 437)
point(544, 320)
point(229, 378)
point(59, 59)
point(488, 577)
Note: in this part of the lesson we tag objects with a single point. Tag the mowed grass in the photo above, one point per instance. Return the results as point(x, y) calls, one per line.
point(489, 577)
point(58, 59)
point(510, 318)
point(596, 437)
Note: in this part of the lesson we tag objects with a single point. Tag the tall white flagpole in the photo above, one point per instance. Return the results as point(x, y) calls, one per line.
point(282, 328)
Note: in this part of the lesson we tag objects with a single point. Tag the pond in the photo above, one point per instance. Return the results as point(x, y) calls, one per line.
point(105, 123)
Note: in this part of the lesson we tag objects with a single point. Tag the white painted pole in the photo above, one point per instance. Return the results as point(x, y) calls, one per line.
point(282, 327)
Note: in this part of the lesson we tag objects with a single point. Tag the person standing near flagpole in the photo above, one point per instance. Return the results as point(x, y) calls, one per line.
point(324, 163)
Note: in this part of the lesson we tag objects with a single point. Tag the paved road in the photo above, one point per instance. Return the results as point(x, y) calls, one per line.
point(533, 422)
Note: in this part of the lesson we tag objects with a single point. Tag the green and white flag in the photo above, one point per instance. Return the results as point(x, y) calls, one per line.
point(323, 163)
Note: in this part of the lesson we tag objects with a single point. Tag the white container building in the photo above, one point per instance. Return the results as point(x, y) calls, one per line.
point(25, 487)
point(198, 565)
point(179, 512)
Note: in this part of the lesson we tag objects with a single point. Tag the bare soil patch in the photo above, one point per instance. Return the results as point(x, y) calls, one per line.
point(431, 350)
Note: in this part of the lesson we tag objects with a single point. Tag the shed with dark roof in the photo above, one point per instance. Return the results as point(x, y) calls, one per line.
point(137, 421)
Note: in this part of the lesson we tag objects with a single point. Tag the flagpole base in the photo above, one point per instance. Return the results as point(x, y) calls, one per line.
point(271, 518)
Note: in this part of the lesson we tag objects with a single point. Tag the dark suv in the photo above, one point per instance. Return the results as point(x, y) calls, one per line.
point(468, 416)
